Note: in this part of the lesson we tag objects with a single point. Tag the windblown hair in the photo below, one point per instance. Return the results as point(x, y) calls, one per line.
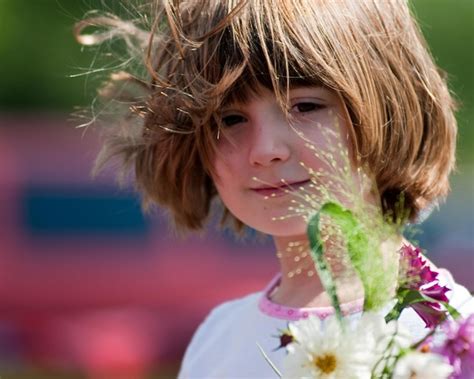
point(200, 54)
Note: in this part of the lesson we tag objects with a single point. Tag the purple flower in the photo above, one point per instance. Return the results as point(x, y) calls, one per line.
point(416, 274)
point(458, 348)
point(285, 339)
point(429, 314)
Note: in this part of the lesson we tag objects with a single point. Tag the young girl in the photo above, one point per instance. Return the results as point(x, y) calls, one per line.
point(242, 103)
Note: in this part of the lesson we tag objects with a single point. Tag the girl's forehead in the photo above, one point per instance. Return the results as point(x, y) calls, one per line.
point(244, 95)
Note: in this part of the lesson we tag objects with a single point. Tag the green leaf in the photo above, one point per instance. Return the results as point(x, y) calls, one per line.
point(407, 297)
point(321, 265)
point(363, 251)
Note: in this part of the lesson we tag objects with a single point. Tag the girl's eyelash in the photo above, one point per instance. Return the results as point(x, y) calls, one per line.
point(307, 106)
point(300, 107)
point(233, 119)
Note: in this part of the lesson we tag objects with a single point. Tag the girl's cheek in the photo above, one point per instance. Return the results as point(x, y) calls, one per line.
point(226, 146)
point(223, 168)
point(233, 138)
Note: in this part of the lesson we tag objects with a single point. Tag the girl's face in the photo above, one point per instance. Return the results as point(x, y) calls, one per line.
point(259, 142)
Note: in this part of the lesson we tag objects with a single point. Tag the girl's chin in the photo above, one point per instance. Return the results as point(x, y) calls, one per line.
point(283, 228)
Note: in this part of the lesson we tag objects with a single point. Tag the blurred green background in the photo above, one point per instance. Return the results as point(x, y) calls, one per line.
point(39, 55)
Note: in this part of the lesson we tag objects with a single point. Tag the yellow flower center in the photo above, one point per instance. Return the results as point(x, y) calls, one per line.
point(326, 363)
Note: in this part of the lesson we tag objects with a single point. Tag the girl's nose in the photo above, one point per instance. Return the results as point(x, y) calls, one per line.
point(270, 142)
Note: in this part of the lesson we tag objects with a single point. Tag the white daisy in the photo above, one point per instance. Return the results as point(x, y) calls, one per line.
point(416, 365)
point(323, 350)
point(391, 338)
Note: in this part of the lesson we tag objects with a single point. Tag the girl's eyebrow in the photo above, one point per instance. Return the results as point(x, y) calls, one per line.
point(302, 85)
point(293, 86)
point(230, 106)
point(321, 92)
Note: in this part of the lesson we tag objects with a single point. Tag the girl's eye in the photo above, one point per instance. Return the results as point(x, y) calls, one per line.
point(304, 107)
point(233, 119)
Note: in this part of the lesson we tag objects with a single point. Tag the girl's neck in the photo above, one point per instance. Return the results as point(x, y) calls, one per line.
point(300, 285)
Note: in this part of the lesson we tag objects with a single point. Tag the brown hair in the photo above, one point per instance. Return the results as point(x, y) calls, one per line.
point(201, 54)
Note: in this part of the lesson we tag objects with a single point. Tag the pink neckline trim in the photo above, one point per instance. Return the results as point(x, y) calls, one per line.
point(272, 309)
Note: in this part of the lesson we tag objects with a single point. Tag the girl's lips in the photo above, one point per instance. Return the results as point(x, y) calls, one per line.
point(281, 190)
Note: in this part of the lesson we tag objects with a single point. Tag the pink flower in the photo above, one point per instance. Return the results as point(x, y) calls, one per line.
point(458, 348)
point(416, 274)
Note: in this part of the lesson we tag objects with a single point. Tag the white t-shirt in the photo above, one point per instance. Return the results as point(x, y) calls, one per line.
point(225, 344)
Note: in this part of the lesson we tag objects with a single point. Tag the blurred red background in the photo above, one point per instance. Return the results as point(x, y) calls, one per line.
point(89, 287)
point(87, 283)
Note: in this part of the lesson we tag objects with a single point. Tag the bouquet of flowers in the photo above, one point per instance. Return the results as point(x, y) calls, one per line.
point(377, 345)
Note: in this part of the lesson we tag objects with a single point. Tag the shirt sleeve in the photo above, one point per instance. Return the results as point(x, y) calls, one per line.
point(195, 358)
point(459, 297)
